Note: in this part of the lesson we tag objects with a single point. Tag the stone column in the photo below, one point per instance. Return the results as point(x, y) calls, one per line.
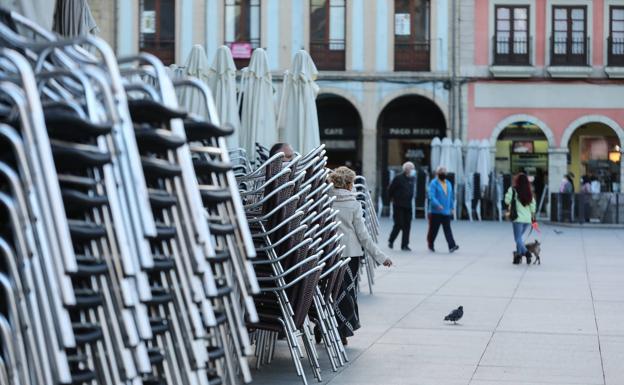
point(557, 168)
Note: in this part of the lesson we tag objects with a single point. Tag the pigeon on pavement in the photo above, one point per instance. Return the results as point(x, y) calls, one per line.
point(455, 315)
point(558, 231)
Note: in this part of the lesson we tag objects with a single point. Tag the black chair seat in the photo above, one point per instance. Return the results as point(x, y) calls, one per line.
point(71, 181)
point(221, 229)
point(159, 325)
point(215, 196)
point(214, 380)
point(82, 376)
point(160, 296)
point(164, 232)
point(161, 263)
point(155, 356)
point(89, 266)
point(220, 317)
point(150, 111)
point(215, 352)
point(198, 131)
point(157, 140)
point(161, 200)
point(222, 291)
point(75, 199)
point(67, 157)
point(207, 166)
point(87, 333)
point(86, 231)
point(87, 299)
point(219, 257)
point(152, 381)
point(64, 124)
point(158, 168)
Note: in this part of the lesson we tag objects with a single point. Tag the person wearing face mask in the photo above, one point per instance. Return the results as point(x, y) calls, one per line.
point(441, 207)
point(401, 194)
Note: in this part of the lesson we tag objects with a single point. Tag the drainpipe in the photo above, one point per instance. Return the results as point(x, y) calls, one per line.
point(453, 91)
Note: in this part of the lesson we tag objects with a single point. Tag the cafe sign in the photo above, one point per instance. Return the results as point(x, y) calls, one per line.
point(339, 132)
point(412, 132)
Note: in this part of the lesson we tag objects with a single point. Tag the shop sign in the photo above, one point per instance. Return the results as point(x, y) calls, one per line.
point(339, 132)
point(148, 22)
point(402, 24)
point(241, 50)
point(413, 132)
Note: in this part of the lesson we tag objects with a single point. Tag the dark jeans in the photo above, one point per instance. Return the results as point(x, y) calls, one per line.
point(445, 221)
point(402, 221)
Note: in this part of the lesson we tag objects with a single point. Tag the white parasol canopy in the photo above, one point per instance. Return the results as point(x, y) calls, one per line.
point(222, 83)
point(459, 161)
point(484, 163)
point(39, 11)
point(446, 155)
point(297, 120)
point(73, 18)
point(472, 154)
point(258, 121)
point(435, 153)
point(196, 66)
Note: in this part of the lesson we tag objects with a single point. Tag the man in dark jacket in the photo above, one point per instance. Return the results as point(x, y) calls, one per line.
point(401, 194)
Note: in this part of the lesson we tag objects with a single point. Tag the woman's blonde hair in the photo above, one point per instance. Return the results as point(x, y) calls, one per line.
point(342, 177)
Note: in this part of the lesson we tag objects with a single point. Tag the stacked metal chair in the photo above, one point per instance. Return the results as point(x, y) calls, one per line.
point(300, 264)
point(116, 267)
point(372, 224)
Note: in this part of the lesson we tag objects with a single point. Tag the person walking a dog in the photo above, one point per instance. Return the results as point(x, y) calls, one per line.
point(441, 207)
point(521, 211)
point(401, 194)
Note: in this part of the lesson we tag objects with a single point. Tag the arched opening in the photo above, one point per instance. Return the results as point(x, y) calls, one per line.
point(340, 130)
point(595, 152)
point(406, 127)
point(522, 146)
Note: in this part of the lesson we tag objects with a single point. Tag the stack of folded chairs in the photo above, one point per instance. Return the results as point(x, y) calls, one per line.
point(299, 261)
point(125, 254)
point(372, 224)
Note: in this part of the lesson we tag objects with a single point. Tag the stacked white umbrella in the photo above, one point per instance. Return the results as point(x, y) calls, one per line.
point(196, 66)
point(39, 11)
point(446, 155)
point(222, 83)
point(484, 163)
point(472, 155)
point(297, 119)
point(258, 123)
point(73, 18)
point(459, 162)
point(435, 153)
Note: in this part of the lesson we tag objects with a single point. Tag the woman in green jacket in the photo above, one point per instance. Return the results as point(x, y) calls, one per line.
point(520, 192)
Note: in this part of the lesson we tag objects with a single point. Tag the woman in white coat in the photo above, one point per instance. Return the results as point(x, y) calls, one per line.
point(357, 241)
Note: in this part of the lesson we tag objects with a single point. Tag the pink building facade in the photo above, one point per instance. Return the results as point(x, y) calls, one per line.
point(545, 85)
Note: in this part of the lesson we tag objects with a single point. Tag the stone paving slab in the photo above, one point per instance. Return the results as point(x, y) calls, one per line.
point(559, 323)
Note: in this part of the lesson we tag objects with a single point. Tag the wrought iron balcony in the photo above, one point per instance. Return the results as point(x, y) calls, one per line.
point(413, 56)
point(615, 52)
point(569, 52)
point(511, 52)
point(328, 56)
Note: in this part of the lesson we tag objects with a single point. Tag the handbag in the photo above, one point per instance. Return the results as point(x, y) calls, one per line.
point(512, 214)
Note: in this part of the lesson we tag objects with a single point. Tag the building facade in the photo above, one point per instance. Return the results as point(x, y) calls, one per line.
point(385, 73)
point(543, 81)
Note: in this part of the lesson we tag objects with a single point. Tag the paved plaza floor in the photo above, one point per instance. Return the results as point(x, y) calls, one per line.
point(561, 322)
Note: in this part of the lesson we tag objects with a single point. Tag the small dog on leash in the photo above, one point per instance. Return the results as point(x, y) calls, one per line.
point(535, 249)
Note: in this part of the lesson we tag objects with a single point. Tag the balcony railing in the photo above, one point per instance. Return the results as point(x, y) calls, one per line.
point(569, 52)
point(511, 52)
point(412, 56)
point(328, 56)
point(615, 52)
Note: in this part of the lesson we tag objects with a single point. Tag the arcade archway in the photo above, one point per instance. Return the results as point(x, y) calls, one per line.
point(340, 130)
